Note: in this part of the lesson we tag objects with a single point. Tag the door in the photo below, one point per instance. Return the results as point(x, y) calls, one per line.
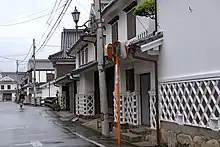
point(7, 96)
point(145, 98)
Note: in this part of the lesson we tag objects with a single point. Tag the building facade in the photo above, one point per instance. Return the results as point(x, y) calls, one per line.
point(8, 85)
point(63, 64)
point(44, 73)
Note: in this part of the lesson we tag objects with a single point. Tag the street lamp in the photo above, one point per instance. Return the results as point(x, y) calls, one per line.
point(76, 15)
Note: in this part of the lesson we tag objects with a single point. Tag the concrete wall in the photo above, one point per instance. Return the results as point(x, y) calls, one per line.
point(191, 39)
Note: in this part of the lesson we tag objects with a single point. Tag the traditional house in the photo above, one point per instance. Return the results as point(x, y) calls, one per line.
point(44, 74)
point(63, 65)
point(88, 95)
point(136, 76)
point(188, 86)
point(8, 85)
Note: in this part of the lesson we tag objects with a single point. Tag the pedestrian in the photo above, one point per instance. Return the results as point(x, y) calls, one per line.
point(21, 98)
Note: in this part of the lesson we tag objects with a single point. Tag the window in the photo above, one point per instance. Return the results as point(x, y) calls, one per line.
point(86, 55)
point(2, 87)
point(130, 80)
point(79, 58)
point(114, 31)
point(131, 25)
point(50, 77)
point(83, 59)
point(8, 86)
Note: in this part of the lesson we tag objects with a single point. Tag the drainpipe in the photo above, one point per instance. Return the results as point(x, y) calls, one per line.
point(156, 95)
point(156, 23)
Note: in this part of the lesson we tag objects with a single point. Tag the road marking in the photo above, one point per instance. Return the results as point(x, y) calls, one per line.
point(91, 141)
point(18, 128)
point(33, 143)
point(36, 143)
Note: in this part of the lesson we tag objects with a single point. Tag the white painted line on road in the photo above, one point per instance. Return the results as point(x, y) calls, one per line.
point(36, 143)
point(17, 128)
point(91, 141)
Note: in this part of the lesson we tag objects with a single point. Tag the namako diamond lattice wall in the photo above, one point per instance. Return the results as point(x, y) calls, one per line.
point(197, 101)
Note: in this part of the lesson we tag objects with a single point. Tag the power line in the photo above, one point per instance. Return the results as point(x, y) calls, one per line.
point(52, 10)
point(26, 55)
point(3, 57)
point(5, 25)
point(48, 23)
point(56, 24)
point(27, 16)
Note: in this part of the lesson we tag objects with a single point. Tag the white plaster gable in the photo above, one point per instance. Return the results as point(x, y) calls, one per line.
point(6, 78)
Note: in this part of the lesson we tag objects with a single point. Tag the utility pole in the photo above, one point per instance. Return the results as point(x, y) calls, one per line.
point(101, 69)
point(17, 97)
point(34, 83)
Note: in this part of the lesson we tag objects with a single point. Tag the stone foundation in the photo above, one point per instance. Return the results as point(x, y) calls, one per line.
point(175, 135)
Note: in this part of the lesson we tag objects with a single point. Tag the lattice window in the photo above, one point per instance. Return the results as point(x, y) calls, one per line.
point(128, 108)
point(85, 104)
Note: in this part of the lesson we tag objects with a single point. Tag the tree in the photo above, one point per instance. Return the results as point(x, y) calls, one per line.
point(147, 9)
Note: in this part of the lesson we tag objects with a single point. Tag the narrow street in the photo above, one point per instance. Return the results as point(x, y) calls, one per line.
point(31, 128)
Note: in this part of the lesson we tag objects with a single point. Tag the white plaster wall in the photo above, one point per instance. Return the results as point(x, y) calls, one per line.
point(91, 52)
point(89, 82)
point(191, 39)
point(53, 90)
point(41, 76)
point(13, 86)
point(140, 67)
point(86, 83)
point(142, 23)
point(77, 61)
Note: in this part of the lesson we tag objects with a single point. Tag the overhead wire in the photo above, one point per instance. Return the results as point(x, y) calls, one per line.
point(56, 24)
point(29, 51)
point(18, 23)
point(26, 16)
point(49, 22)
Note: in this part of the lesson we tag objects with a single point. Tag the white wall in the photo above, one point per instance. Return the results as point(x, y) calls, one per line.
point(140, 67)
point(86, 83)
point(91, 52)
point(91, 55)
point(41, 76)
point(191, 39)
point(142, 23)
point(53, 90)
point(13, 86)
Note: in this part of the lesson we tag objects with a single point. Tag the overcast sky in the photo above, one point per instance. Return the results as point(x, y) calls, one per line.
point(16, 39)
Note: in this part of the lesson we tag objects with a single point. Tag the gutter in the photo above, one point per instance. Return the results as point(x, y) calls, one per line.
point(156, 22)
point(156, 95)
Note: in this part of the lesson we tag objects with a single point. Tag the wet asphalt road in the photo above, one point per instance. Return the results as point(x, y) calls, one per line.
point(31, 128)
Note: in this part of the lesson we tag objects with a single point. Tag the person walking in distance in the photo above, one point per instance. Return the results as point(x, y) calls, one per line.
point(21, 98)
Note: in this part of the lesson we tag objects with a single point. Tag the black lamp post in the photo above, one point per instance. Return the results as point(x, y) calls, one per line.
point(76, 15)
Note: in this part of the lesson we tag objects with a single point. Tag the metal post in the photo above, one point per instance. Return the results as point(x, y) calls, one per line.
point(49, 89)
point(17, 97)
point(34, 83)
point(101, 69)
point(118, 100)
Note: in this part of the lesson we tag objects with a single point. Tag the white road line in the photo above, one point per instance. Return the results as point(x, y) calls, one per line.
point(18, 128)
point(36, 143)
point(91, 141)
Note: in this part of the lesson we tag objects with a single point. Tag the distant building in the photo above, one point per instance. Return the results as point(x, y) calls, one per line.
point(44, 73)
point(8, 85)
